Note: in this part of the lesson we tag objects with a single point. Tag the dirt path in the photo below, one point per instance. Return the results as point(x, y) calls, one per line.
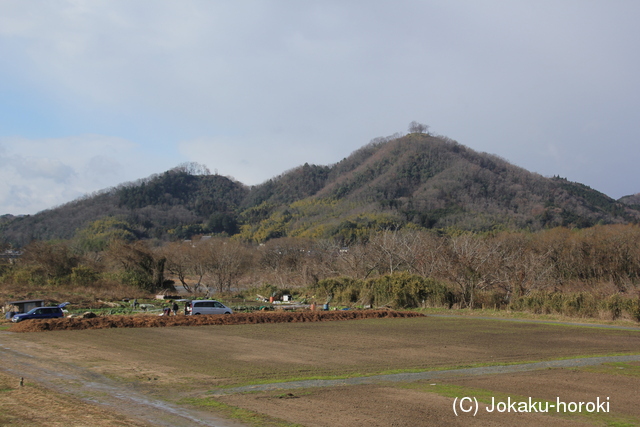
point(97, 389)
point(432, 375)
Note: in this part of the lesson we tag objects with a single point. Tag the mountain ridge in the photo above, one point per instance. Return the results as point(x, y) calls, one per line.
point(417, 180)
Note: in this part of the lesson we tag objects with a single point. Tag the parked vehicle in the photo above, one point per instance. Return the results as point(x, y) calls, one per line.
point(41, 313)
point(208, 307)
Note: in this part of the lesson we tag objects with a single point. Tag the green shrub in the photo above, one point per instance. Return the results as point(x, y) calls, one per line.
point(400, 290)
point(29, 275)
point(615, 304)
point(83, 275)
point(577, 304)
point(136, 278)
point(631, 307)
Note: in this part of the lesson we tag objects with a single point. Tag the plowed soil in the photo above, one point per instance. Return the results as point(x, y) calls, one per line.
point(381, 406)
point(178, 364)
point(107, 322)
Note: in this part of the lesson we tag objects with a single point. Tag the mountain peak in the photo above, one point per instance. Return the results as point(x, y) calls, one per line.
point(419, 179)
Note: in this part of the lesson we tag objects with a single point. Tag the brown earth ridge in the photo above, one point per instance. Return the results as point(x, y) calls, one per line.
point(115, 321)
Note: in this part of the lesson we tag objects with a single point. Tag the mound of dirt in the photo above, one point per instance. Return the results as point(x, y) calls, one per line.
point(220, 319)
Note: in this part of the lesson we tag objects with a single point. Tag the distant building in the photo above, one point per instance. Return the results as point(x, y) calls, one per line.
point(10, 255)
point(22, 306)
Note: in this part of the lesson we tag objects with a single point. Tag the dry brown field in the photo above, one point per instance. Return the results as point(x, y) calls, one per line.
point(191, 368)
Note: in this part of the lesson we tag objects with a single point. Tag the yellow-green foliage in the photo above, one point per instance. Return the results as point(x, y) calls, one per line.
point(303, 218)
point(343, 290)
point(311, 218)
point(310, 231)
point(83, 275)
point(312, 207)
point(26, 275)
point(273, 227)
point(578, 304)
point(255, 213)
point(404, 290)
point(399, 290)
point(359, 228)
point(97, 235)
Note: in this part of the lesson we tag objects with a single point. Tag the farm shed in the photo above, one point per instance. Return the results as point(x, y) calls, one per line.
point(22, 306)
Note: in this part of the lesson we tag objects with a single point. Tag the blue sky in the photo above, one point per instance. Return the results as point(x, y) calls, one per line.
point(96, 93)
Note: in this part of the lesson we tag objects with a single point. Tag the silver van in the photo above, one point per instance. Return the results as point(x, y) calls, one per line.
point(208, 307)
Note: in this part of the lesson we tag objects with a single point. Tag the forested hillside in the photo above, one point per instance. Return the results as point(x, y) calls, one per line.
point(416, 181)
point(428, 182)
point(175, 204)
point(632, 200)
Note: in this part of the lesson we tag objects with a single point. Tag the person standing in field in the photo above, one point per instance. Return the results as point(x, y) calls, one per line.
point(174, 307)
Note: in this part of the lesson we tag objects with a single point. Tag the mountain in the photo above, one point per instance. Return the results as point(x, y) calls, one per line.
point(432, 182)
point(632, 200)
point(417, 180)
point(175, 202)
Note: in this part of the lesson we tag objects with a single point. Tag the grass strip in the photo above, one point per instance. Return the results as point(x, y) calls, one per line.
point(614, 368)
point(251, 418)
point(521, 315)
point(273, 380)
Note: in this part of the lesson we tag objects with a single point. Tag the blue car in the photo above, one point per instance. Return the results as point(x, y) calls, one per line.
point(41, 313)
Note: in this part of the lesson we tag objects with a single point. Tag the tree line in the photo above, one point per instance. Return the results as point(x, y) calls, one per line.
point(507, 269)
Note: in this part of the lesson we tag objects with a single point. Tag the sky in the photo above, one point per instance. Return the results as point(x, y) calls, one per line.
point(96, 93)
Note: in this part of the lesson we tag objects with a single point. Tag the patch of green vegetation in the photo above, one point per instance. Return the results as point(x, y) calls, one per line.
point(401, 371)
point(449, 368)
point(273, 380)
point(251, 418)
point(289, 379)
point(124, 309)
point(510, 314)
point(450, 390)
point(587, 356)
point(490, 364)
point(615, 368)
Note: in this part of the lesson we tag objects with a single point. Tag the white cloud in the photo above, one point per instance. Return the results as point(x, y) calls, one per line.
point(256, 87)
point(42, 173)
point(45, 168)
point(267, 158)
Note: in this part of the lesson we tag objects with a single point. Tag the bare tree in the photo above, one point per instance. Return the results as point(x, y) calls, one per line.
point(184, 260)
point(192, 168)
point(415, 127)
point(396, 250)
point(319, 262)
point(225, 261)
point(359, 260)
point(427, 249)
point(524, 267)
point(469, 262)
